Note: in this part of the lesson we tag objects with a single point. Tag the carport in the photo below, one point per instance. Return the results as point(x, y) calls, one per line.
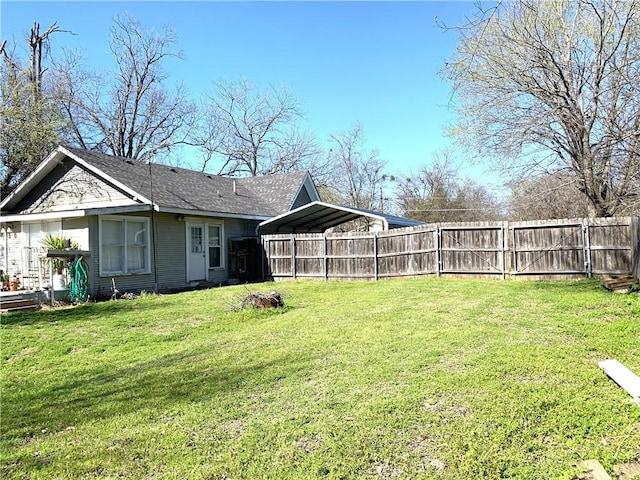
point(317, 217)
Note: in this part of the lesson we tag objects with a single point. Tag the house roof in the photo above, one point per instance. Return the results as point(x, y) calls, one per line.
point(317, 217)
point(169, 188)
point(177, 190)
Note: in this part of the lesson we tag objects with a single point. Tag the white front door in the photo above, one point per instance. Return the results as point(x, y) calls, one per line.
point(196, 253)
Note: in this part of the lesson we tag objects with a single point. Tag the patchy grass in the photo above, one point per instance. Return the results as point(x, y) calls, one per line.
point(419, 378)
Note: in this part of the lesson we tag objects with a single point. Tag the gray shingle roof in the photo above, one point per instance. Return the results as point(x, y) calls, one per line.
point(180, 188)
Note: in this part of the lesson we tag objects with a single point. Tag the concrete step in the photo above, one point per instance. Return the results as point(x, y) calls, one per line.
point(7, 297)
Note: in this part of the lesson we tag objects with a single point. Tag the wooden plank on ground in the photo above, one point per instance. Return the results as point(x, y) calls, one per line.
point(618, 283)
point(592, 470)
point(624, 377)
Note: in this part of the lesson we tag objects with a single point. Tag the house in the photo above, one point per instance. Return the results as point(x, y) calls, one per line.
point(144, 226)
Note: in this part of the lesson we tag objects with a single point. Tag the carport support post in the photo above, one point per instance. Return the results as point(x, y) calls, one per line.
point(264, 255)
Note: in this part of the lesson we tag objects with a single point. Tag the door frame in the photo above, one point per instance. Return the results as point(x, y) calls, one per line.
point(189, 226)
point(205, 245)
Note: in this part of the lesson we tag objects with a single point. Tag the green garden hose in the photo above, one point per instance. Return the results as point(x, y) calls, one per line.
point(79, 273)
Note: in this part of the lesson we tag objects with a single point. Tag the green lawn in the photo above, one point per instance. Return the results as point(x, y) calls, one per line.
point(418, 378)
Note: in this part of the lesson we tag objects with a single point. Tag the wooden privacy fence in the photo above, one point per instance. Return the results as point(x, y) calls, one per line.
point(537, 249)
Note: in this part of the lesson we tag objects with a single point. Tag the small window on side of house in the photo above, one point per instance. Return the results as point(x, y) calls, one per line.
point(215, 246)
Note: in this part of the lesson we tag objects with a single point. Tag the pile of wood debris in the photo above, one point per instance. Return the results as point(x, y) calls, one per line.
point(263, 300)
point(620, 283)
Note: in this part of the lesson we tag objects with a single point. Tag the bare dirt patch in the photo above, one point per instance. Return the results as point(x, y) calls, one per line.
point(384, 470)
point(628, 471)
point(25, 352)
point(309, 445)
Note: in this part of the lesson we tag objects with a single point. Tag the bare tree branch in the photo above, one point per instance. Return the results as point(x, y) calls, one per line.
point(544, 86)
point(436, 193)
point(129, 113)
point(358, 172)
point(250, 132)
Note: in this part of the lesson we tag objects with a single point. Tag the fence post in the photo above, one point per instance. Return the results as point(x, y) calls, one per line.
point(507, 248)
point(438, 242)
point(293, 256)
point(325, 259)
point(375, 256)
point(587, 247)
point(634, 225)
point(514, 251)
point(503, 266)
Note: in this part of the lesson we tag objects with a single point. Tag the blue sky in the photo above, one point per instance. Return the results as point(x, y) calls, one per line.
point(372, 62)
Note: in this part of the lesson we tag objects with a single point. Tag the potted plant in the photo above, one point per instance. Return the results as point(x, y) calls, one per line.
point(57, 242)
point(4, 278)
point(14, 284)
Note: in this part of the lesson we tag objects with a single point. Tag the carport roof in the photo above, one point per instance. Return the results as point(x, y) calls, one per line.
point(316, 217)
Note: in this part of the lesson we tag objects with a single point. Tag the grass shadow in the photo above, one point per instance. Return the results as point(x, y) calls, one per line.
point(79, 313)
point(158, 384)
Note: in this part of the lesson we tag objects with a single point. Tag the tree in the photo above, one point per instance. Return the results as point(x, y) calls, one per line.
point(553, 86)
point(438, 194)
point(128, 113)
point(251, 132)
point(546, 196)
point(30, 121)
point(357, 172)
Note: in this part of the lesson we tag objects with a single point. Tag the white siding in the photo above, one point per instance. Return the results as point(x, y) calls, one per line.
point(3, 250)
point(77, 189)
point(77, 229)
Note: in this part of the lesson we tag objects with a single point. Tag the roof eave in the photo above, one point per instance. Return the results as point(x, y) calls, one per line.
point(211, 213)
point(82, 212)
point(36, 176)
point(49, 163)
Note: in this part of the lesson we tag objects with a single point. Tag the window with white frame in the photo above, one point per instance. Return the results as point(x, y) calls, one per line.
point(215, 246)
point(124, 245)
point(37, 231)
